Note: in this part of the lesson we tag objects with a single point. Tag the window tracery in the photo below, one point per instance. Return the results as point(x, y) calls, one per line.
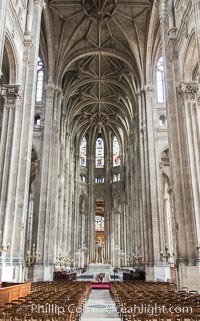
point(83, 152)
point(99, 153)
point(116, 157)
point(40, 80)
point(160, 80)
point(99, 223)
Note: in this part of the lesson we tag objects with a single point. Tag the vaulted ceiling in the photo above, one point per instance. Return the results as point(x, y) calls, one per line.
point(99, 56)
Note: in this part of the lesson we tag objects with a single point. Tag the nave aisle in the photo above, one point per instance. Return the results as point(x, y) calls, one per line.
point(100, 306)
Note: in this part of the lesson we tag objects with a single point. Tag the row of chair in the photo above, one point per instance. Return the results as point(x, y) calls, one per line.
point(147, 301)
point(49, 301)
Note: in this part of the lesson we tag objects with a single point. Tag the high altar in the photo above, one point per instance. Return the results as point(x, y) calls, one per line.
point(99, 266)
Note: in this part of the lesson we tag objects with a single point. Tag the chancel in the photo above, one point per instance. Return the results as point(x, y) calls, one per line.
point(100, 145)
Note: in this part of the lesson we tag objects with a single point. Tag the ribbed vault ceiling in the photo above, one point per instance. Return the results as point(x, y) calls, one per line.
point(100, 48)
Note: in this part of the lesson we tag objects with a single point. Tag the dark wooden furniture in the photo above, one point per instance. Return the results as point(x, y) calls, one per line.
point(59, 275)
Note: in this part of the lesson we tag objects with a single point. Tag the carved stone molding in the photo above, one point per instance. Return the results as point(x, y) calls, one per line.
point(161, 165)
point(148, 89)
point(50, 88)
point(11, 95)
point(41, 3)
point(188, 90)
point(59, 92)
point(101, 11)
point(198, 97)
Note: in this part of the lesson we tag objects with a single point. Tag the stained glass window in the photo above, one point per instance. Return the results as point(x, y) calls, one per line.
point(160, 80)
point(99, 223)
point(99, 153)
point(83, 152)
point(116, 158)
point(40, 80)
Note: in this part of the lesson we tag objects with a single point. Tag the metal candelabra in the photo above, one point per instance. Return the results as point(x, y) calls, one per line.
point(31, 257)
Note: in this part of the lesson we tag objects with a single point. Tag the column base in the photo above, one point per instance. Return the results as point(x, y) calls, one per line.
point(161, 273)
point(189, 276)
point(184, 276)
point(11, 270)
point(42, 273)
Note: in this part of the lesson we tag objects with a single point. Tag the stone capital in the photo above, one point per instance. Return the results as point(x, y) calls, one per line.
point(28, 44)
point(189, 90)
point(138, 92)
point(59, 91)
point(11, 95)
point(91, 159)
point(148, 89)
point(198, 98)
point(161, 165)
point(169, 190)
point(50, 88)
point(41, 3)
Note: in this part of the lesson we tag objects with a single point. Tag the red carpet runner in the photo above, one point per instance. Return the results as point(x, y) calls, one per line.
point(104, 285)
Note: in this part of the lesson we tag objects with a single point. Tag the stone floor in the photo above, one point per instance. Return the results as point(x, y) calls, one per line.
point(100, 306)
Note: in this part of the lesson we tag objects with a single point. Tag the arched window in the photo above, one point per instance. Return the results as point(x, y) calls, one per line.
point(40, 80)
point(99, 223)
point(99, 153)
point(162, 121)
point(82, 178)
point(160, 81)
point(99, 179)
point(83, 152)
point(116, 159)
point(37, 120)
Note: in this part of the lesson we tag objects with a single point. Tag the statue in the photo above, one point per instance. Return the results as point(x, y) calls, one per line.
point(99, 251)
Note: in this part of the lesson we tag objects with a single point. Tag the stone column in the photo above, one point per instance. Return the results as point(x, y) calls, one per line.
point(75, 225)
point(70, 192)
point(144, 220)
point(131, 214)
point(54, 170)
point(68, 161)
point(3, 14)
point(178, 163)
point(91, 207)
point(61, 216)
point(189, 97)
point(7, 153)
point(107, 205)
point(24, 158)
point(46, 163)
point(11, 98)
point(48, 208)
point(152, 207)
